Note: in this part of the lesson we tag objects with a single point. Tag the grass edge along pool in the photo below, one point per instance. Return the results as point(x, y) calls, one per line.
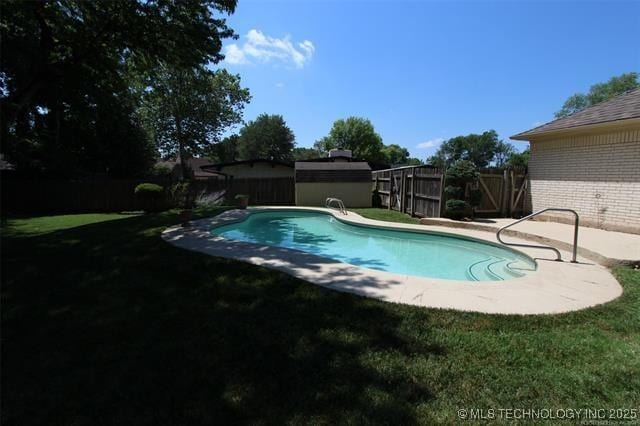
point(406, 252)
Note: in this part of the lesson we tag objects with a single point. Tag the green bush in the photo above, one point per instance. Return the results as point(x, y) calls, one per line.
point(458, 177)
point(463, 171)
point(453, 192)
point(182, 195)
point(475, 197)
point(151, 195)
point(457, 209)
point(148, 190)
point(376, 199)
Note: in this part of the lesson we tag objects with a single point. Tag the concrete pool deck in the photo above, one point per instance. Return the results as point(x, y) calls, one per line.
point(608, 248)
point(555, 287)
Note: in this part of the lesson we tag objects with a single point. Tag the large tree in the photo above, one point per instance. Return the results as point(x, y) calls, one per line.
point(598, 93)
point(305, 154)
point(63, 73)
point(224, 151)
point(356, 134)
point(268, 136)
point(189, 109)
point(482, 150)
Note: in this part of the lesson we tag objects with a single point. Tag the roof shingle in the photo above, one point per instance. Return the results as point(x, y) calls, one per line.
point(621, 107)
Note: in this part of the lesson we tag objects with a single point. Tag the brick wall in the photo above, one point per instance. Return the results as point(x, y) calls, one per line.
point(597, 175)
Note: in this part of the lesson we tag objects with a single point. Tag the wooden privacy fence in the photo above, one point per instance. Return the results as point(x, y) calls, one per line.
point(272, 191)
point(118, 195)
point(414, 190)
point(419, 191)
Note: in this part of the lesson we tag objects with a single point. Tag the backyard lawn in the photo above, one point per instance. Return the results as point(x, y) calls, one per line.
point(103, 323)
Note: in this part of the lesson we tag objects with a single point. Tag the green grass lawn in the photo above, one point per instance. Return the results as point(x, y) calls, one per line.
point(386, 215)
point(105, 323)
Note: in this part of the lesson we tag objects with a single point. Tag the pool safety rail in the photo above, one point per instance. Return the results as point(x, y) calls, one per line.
point(559, 256)
point(336, 201)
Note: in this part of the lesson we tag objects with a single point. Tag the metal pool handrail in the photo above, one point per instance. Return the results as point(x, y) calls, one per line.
point(559, 256)
point(338, 201)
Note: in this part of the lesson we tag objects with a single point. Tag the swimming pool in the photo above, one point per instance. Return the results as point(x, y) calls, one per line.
point(397, 251)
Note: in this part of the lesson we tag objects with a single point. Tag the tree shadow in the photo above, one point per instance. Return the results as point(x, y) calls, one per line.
point(106, 323)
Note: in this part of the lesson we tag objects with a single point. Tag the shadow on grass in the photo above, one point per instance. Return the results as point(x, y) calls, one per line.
point(108, 323)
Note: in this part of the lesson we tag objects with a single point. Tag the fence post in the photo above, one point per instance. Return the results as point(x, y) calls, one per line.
point(390, 189)
point(413, 192)
point(442, 200)
point(403, 178)
point(511, 192)
point(505, 194)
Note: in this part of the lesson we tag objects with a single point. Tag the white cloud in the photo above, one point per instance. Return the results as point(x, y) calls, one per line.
point(279, 85)
point(259, 47)
point(431, 143)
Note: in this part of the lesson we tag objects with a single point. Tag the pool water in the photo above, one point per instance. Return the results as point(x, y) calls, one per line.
point(401, 252)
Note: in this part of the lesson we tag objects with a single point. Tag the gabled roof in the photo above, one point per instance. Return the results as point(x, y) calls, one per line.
point(622, 107)
point(306, 165)
point(218, 166)
point(374, 166)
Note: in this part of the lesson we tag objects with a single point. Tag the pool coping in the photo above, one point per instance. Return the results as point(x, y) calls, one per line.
point(555, 287)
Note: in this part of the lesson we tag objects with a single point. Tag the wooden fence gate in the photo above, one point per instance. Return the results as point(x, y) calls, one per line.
point(416, 190)
point(419, 191)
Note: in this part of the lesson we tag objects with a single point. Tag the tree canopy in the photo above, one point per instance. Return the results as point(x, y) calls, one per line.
point(395, 155)
point(480, 149)
point(356, 134)
point(598, 93)
point(268, 136)
point(188, 109)
point(64, 75)
point(305, 154)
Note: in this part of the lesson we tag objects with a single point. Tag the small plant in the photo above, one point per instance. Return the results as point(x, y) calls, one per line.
point(459, 176)
point(151, 194)
point(458, 209)
point(376, 200)
point(208, 200)
point(242, 201)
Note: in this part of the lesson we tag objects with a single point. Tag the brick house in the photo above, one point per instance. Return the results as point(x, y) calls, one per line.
point(590, 161)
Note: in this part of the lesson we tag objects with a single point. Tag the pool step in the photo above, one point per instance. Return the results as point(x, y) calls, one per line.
point(495, 269)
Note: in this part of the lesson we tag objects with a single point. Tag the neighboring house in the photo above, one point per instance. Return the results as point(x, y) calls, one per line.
point(590, 162)
point(195, 165)
point(344, 156)
point(347, 180)
point(257, 168)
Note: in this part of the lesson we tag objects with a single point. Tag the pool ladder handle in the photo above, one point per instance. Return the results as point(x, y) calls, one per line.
point(559, 257)
point(338, 201)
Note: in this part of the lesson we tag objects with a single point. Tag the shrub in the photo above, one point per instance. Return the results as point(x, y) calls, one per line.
point(376, 200)
point(463, 170)
point(150, 190)
point(475, 197)
point(453, 192)
point(457, 209)
point(151, 195)
point(209, 200)
point(241, 196)
point(161, 170)
point(459, 175)
point(182, 195)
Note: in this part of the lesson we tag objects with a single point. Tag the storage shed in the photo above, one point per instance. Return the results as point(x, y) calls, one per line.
point(317, 181)
point(590, 162)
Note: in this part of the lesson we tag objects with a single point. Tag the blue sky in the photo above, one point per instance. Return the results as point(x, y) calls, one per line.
point(425, 71)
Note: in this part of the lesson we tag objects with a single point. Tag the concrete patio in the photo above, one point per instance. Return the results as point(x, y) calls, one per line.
point(608, 248)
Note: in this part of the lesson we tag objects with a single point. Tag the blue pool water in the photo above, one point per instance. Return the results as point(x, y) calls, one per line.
point(402, 252)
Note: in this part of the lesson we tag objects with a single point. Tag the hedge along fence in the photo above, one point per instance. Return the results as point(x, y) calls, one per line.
point(419, 191)
point(62, 196)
